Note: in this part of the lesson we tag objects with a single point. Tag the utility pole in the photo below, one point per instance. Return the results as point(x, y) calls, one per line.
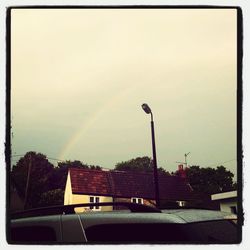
point(27, 183)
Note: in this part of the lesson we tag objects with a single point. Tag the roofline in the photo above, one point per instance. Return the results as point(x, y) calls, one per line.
point(126, 171)
point(86, 169)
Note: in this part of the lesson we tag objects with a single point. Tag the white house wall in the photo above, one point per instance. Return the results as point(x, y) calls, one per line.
point(68, 191)
point(225, 206)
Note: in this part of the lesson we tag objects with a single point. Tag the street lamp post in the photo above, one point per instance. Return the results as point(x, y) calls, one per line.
point(147, 109)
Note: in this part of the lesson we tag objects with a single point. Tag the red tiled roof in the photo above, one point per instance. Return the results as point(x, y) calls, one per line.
point(132, 184)
point(90, 181)
point(128, 184)
point(139, 184)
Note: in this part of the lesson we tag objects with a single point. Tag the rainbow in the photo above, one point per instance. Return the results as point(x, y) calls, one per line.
point(79, 133)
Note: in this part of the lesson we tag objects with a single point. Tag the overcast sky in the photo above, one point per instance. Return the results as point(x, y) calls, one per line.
point(79, 77)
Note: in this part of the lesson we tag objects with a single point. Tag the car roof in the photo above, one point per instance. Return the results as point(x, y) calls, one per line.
point(198, 215)
point(91, 219)
point(124, 216)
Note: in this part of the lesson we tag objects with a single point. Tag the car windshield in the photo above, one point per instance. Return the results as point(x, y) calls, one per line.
point(117, 113)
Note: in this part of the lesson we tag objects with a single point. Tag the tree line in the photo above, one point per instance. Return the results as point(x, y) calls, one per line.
point(47, 182)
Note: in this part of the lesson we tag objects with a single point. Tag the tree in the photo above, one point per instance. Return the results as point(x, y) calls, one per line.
point(39, 179)
point(139, 164)
point(210, 180)
point(71, 164)
point(52, 198)
point(94, 167)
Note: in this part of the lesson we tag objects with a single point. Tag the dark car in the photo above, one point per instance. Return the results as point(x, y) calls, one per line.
point(142, 224)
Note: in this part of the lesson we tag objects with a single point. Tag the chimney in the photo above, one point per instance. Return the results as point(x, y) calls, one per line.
point(180, 167)
point(181, 171)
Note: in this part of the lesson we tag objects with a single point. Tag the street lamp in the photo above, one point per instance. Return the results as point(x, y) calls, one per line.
point(147, 109)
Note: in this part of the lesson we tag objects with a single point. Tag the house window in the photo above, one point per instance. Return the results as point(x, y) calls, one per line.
point(233, 210)
point(137, 200)
point(94, 199)
point(181, 203)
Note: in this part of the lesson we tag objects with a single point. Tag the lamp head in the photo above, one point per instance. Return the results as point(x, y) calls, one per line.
point(146, 108)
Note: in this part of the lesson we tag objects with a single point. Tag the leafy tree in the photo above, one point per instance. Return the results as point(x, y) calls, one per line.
point(94, 167)
point(139, 164)
point(70, 164)
point(52, 198)
point(39, 180)
point(210, 180)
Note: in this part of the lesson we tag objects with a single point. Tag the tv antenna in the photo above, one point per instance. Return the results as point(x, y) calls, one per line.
point(185, 155)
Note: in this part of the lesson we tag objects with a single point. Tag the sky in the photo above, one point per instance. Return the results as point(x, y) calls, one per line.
point(80, 76)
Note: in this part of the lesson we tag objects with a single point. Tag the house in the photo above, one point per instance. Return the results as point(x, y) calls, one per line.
point(89, 186)
point(227, 200)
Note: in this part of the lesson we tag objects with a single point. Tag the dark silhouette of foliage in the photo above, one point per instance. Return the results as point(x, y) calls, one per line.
point(70, 164)
point(94, 167)
point(210, 180)
point(40, 172)
point(144, 163)
point(52, 198)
